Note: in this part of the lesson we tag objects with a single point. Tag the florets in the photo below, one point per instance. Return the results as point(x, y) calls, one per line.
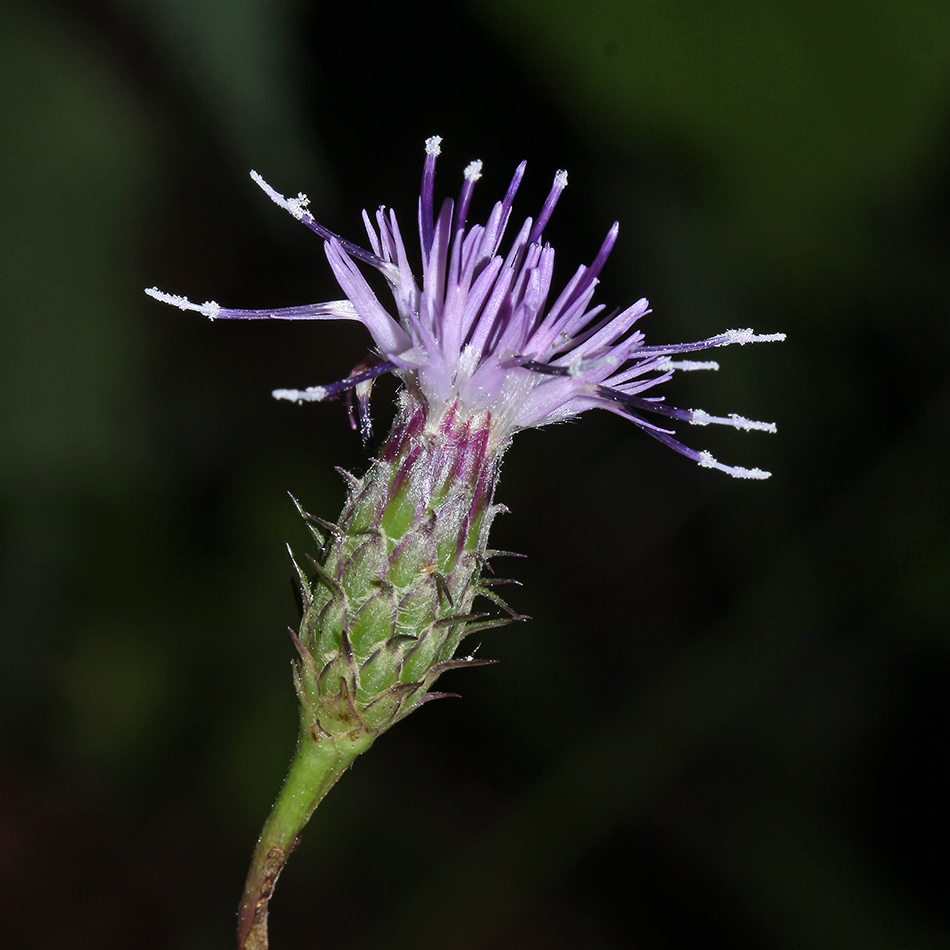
point(480, 334)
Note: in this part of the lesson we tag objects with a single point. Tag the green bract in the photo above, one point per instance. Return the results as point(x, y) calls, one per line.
point(392, 592)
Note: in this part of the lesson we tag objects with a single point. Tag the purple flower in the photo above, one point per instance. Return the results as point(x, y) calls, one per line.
point(481, 335)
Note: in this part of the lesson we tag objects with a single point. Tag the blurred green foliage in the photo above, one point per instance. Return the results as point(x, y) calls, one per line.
point(727, 723)
point(801, 111)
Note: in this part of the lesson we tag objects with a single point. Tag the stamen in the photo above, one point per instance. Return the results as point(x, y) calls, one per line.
point(560, 183)
point(331, 391)
point(707, 460)
point(363, 391)
point(426, 203)
point(689, 365)
point(721, 339)
point(209, 308)
point(473, 171)
point(511, 192)
point(298, 208)
point(696, 417)
point(749, 336)
point(331, 310)
point(608, 245)
point(700, 418)
point(311, 394)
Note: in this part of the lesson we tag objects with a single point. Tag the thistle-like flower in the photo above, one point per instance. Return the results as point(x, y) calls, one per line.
point(482, 352)
point(480, 337)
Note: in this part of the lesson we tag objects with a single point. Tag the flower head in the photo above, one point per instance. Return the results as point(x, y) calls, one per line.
point(480, 335)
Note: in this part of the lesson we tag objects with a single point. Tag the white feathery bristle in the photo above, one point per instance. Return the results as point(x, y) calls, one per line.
point(295, 205)
point(174, 300)
point(560, 179)
point(209, 308)
point(738, 471)
point(739, 336)
point(434, 145)
point(748, 425)
point(701, 418)
point(298, 206)
point(708, 460)
point(310, 394)
point(689, 365)
point(473, 170)
point(748, 335)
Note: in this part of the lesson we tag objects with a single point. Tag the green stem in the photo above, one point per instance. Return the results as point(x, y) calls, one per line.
point(316, 766)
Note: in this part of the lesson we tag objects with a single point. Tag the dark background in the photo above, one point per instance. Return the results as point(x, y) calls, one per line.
point(727, 723)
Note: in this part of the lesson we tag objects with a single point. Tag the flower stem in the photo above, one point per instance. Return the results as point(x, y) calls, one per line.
point(388, 605)
point(316, 766)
